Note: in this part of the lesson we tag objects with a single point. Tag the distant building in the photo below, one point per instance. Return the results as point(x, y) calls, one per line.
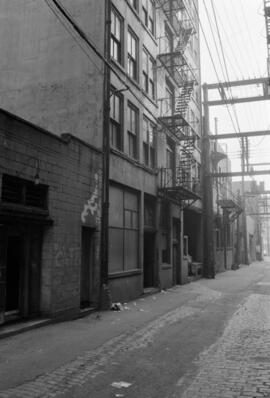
point(254, 208)
point(227, 209)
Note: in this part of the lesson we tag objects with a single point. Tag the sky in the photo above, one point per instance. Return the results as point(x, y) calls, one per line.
point(242, 30)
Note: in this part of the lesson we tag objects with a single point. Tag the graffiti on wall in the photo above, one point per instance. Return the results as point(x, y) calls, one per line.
point(92, 206)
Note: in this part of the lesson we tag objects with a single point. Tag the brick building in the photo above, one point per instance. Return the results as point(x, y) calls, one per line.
point(49, 221)
point(155, 128)
point(50, 231)
point(50, 76)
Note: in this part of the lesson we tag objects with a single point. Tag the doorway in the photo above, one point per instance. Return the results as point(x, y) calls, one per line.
point(149, 259)
point(20, 269)
point(13, 274)
point(87, 261)
point(176, 251)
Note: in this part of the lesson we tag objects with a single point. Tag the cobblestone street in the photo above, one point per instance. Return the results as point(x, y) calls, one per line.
point(208, 339)
point(238, 365)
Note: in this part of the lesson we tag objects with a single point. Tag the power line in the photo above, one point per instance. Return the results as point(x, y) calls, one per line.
point(213, 63)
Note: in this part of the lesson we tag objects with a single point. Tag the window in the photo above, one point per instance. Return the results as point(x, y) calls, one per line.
point(132, 48)
point(148, 74)
point(149, 152)
point(149, 212)
point(169, 156)
point(168, 40)
point(116, 37)
point(123, 230)
point(148, 15)
point(134, 4)
point(23, 192)
point(116, 112)
point(132, 129)
point(169, 100)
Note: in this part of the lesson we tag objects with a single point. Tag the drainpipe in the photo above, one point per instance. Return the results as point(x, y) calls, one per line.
point(105, 298)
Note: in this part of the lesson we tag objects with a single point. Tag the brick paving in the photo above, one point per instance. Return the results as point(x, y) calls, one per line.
point(91, 364)
point(238, 364)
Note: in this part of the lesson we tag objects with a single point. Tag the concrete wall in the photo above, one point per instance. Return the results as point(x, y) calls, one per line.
point(72, 170)
point(48, 75)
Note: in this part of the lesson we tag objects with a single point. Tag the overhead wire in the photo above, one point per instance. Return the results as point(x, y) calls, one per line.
point(212, 60)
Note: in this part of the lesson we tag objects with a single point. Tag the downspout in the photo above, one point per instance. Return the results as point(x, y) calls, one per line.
point(105, 298)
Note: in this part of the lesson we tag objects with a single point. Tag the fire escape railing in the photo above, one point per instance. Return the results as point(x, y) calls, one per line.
point(173, 111)
point(178, 13)
point(179, 178)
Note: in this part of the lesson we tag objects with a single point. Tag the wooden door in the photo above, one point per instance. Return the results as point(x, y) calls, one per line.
point(86, 267)
point(34, 270)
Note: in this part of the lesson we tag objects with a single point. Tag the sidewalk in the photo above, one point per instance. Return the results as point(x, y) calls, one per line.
point(25, 356)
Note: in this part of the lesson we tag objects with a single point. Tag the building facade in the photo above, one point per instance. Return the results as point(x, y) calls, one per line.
point(59, 70)
point(155, 129)
point(51, 168)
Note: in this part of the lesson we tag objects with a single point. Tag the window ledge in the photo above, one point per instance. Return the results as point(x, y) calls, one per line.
point(150, 33)
point(134, 161)
point(124, 274)
point(135, 12)
point(153, 101)
point(166, 266)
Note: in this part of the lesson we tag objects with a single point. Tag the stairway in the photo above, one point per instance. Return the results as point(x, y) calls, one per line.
point(185, 95)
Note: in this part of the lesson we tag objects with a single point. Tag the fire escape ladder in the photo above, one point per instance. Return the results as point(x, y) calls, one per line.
point(184, 39)
point(186, 155)
point(184, 99)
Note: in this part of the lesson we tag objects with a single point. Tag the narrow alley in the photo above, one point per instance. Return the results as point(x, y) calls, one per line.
point(206, 339)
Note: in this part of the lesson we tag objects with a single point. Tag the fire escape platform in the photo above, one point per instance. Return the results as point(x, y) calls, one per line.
point(172, 62)
point(228, 204)
point(176, 120)
point(179, 193)
point(232, 207)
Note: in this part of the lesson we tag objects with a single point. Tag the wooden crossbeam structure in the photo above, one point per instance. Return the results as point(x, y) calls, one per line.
point(241, 173)
point(223, 136)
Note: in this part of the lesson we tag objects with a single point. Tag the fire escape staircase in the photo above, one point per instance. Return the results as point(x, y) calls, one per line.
point(177, 184)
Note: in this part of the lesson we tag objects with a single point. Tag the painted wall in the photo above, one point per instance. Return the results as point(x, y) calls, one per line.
point(48, 75)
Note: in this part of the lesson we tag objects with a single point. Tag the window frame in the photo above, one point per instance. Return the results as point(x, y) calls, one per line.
point(133, 4)
point(118, 124)
point(149, 84)
point(132, 59)
point(149, 148)
point(128, 223)
point(148, 18)
point(132, 135)
point(115, 40)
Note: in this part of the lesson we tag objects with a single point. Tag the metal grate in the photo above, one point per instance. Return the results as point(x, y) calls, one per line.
point(19, 191)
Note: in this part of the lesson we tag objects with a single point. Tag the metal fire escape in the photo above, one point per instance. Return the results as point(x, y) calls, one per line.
point(179, 69)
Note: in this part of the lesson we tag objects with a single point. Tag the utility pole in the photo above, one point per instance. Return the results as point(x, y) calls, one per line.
point(208, 215)
point(244, 216)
